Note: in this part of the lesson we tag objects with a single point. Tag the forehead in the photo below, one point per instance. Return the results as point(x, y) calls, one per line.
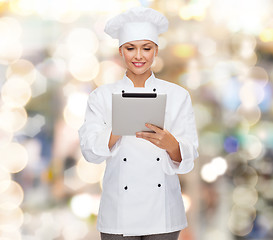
point(139, 42)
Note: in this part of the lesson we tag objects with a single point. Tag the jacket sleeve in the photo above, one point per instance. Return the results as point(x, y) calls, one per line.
point(94, 134)
point(184, 130)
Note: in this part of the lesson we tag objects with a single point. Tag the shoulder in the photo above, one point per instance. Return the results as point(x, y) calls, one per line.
point(172, 88)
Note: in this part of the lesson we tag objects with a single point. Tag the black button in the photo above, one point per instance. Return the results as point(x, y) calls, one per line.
point(159, 185)
point(157, 159)
point(123, 91)
point(125, 187)
point(124, 159)
point(154, 89)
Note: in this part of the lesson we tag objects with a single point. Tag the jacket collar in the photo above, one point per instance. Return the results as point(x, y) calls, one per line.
point(149, 83)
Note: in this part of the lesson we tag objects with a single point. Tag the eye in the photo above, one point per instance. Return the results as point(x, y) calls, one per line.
point(130, 48)
point(147, 49)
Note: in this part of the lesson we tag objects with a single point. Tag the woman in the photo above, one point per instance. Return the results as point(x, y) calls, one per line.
point(141, 197)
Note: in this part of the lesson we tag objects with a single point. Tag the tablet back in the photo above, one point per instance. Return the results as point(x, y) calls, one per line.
point(130, 112)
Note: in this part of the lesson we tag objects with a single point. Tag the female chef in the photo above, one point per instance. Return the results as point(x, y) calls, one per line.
point(141, 196)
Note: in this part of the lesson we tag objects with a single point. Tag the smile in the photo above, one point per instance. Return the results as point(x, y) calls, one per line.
point(138, 64)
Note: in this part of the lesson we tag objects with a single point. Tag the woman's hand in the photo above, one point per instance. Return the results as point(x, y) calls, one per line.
point(162, 139)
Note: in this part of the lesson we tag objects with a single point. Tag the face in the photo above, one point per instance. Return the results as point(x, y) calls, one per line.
point(138, 56)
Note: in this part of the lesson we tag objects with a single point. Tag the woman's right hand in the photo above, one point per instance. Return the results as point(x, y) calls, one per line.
point(113, 139)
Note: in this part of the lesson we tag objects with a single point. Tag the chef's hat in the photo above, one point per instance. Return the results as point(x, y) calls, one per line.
point(137, 23)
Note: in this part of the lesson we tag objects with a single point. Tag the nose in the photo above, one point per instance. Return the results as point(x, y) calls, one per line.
point(138, 54)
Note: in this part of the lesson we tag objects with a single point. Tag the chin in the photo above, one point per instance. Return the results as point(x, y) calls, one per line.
point(140, 71)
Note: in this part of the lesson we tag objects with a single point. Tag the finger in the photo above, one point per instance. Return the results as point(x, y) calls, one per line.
point(154, 141)
point(146, 135)
point(153, 127)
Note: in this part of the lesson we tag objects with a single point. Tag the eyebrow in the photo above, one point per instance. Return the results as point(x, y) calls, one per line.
point(134, 45)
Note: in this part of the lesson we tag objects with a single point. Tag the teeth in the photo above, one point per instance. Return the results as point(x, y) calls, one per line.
point(138, 64)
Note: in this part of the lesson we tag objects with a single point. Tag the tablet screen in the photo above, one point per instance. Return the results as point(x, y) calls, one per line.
point(130, 112)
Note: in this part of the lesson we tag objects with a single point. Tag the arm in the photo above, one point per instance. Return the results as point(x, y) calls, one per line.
point(162, 139)
point(175, 153)
point(181, 145)
point(95, 133)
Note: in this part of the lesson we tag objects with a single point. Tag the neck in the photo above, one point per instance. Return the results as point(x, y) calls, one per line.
point(138, 79)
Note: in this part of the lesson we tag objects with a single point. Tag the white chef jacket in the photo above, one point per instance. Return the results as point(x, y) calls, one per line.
point(141, 190)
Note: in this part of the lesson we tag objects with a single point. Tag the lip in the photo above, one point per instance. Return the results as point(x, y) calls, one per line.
point(138, 64)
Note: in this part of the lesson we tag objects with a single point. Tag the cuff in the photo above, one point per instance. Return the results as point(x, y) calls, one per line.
point(100, 146)
point(188, 154)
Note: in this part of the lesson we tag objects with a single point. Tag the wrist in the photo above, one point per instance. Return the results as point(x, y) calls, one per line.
point(173, 148)
point(174, 152)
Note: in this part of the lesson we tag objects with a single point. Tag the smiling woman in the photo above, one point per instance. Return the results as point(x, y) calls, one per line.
point(141, 196)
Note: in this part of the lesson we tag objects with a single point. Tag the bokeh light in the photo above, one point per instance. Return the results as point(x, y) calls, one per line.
point(48, 228)
point(11, 234)
point(246, 175)
point(211, 143)
point(60, 10)
point(259, 75)
point(241, 220)
point(10, 46)
point(194, 10)
point(207, 47)
point(16, 92)
point(251, 94)
point(13, 157)
point(24, 69)
point(252, 147)
point(5, 137)
point(84, 68)
point(220, 164)
point(12, 119)
point(75, 109)
point(231, 144)
point(187, 202)
point(82, 41)
point(76, 104)
point(109, 72)
point(10, 221)
point(266, 35)
point(158, 64)
point(5, 179)
point(245, 196)
point(39, 87)
point(76, 230)
point(210, 171)
point(184, 51)
point(90, 172)
point(252, 114)
point(22, 7)
point(12, 197)
point(83, 205)
point(202, 115)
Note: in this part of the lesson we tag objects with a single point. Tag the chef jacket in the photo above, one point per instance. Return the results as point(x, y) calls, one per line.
point(141, 192)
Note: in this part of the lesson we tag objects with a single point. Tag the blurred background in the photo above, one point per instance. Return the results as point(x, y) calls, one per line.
point(54, 53)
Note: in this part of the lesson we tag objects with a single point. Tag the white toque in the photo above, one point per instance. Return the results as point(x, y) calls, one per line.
point(137, 23)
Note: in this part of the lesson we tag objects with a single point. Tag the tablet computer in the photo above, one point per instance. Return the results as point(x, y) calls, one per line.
point(130, 112)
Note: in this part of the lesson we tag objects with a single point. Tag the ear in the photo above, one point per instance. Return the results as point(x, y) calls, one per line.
point(156, 50)
point(120, 51)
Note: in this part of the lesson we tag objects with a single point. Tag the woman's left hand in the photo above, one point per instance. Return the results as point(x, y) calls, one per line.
point(162, 138)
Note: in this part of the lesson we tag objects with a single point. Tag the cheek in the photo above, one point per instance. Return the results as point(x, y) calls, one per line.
point(127, 60)
point(127, 56)
point(150, 56)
